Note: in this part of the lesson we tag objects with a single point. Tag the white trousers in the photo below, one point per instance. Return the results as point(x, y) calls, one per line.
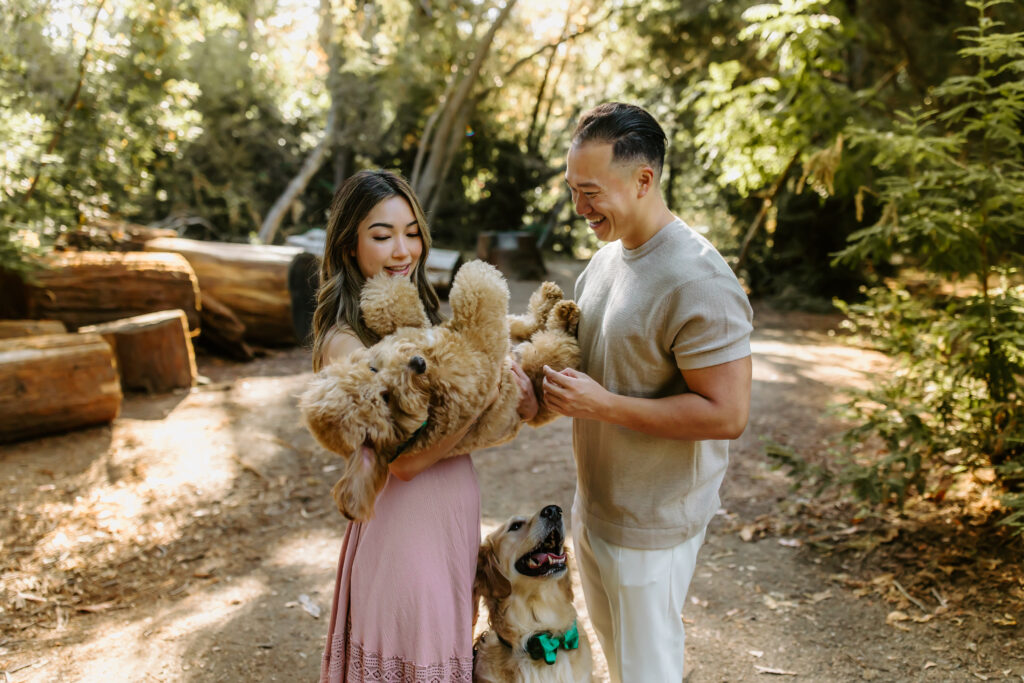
point(635, 599)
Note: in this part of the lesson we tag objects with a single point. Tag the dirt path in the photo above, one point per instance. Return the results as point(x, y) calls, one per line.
point(195, 539)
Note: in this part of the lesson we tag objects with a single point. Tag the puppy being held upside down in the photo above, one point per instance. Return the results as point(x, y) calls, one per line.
point(523, 577)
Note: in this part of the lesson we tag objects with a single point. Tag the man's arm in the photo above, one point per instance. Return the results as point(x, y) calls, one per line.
point(716, 406)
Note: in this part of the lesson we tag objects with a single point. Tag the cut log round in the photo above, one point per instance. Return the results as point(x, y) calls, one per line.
point(90, 287)
point(30, 328)
point(55, 383)
point(270, 288)
point(154, 350)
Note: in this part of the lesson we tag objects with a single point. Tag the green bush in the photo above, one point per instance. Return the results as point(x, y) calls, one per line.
point(951, 187)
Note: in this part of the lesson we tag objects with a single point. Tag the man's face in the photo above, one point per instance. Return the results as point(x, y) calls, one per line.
point(603, 192)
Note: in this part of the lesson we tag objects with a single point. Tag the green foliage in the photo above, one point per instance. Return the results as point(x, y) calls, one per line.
point(951, 188)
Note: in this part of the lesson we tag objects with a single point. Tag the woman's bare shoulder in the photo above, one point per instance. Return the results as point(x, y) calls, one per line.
point(341, 341)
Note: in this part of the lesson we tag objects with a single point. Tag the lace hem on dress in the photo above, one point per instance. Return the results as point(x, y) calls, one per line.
point(362, 665)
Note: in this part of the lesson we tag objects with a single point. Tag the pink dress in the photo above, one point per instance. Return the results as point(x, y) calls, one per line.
point(403, 605)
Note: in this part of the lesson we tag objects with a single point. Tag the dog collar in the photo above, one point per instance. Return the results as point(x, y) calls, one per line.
point(408, 441)
point(545, 645)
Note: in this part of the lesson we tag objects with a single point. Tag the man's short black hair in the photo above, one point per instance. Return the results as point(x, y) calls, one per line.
point(633, 133)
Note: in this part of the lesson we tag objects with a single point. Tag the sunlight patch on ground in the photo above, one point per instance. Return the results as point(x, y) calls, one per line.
point(158, 644)
point(778, 361)
point(297, 551)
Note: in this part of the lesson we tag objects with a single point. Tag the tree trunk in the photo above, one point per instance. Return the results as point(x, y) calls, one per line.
point(54, 383)
point(766, 204)
point(30, 328)
point(271, 289)
point(298, 184)
point(440, 145)
point(90, 287)
point(154, 351)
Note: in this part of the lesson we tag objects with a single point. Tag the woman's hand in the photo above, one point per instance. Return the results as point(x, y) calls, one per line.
point(528, 405)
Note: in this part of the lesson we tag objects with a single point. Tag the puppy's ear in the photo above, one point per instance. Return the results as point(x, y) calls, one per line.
point(490, 581)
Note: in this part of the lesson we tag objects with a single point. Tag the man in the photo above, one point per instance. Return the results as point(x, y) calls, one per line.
point(665, 383)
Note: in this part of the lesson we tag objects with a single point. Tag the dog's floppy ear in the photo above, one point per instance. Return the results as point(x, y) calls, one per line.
point(490, 581)
point(388, 303)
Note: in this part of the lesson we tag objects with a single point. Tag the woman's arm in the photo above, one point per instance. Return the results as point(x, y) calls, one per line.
point(411, 463)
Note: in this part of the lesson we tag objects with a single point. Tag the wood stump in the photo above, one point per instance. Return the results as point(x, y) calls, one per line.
point(30, 328)
point(55, 383)
point(513, 253)
point(90, 287)
point(154, 350)
point(271, 289)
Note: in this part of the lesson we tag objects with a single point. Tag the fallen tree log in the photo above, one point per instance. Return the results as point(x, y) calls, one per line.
point(154, 350)
point(55, 383)
point(271, 289)
point(30, 328)
point(90, 287)
point(222, 331)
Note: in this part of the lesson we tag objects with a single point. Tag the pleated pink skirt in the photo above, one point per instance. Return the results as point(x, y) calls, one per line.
point(403, 607)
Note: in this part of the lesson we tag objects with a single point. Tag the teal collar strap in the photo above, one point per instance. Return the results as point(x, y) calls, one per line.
point(545, 645)
point(408, 441)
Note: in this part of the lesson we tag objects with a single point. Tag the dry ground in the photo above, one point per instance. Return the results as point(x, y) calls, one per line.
point(194, 539)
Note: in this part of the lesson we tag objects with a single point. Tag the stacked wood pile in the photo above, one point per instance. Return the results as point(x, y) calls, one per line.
point(91, 324)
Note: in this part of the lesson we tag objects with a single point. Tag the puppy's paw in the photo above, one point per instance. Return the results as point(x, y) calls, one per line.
point(564, 317)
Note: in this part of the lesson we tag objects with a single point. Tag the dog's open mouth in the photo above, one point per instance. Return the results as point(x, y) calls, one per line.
point(546, 558)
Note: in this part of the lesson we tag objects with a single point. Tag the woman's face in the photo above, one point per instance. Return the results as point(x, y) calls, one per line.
point(389, 239)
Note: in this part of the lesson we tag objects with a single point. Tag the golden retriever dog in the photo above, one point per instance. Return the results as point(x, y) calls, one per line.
point(523, 577)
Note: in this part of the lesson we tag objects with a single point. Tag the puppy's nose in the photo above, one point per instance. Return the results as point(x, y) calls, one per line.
point(552, 512)
point(418, 365)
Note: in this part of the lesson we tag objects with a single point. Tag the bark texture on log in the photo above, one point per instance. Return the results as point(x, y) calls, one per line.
point(30, 328)
point(255, 281)
point(55, 383)
point(154, 351)
point(222, 331)
point(90, 287)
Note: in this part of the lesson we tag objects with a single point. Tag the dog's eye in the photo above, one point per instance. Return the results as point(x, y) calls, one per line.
point(515, 526)
point(373, 369)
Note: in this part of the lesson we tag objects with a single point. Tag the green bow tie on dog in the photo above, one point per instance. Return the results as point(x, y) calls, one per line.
point(546, 645)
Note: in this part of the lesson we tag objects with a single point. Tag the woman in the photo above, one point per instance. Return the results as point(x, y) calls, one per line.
point(403, 608)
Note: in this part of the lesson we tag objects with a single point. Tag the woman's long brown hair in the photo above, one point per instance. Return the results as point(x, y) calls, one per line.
point(341, 281)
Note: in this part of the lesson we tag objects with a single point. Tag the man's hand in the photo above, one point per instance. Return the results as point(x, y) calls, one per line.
point(528, 405)
point(575, 394)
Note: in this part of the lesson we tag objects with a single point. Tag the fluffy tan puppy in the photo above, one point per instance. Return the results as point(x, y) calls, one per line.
point(419, 383)
point(533, 634)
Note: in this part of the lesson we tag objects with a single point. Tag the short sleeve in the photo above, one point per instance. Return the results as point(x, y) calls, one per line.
point(710, 321)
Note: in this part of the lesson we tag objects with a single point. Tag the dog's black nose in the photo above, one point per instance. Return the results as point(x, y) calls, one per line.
point(418, 365)
point(552, 512)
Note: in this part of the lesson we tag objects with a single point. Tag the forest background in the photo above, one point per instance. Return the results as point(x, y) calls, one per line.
point(860, 154)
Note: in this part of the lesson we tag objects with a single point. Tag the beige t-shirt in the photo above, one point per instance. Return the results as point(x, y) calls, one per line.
point(671, 304)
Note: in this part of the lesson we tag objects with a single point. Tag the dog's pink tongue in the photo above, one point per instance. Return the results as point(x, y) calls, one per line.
point(367, 453)
point(543, 558)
